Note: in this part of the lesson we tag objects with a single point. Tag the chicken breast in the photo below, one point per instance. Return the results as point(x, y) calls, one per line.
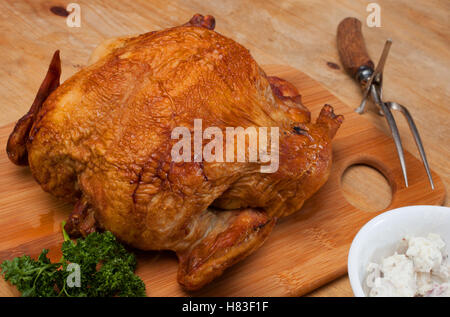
point(104, 138)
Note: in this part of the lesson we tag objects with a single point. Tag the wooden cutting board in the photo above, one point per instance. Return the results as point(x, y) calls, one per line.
point(305, 250)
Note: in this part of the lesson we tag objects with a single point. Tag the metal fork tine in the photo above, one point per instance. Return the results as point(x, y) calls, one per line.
point(398, 143)
point(415, 132)
point(394, 131)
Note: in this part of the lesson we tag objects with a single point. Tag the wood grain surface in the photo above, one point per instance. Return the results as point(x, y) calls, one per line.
point(300, 33)
point(305, 250)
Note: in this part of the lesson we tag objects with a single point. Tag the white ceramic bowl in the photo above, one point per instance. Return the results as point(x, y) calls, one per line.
point(380, 237)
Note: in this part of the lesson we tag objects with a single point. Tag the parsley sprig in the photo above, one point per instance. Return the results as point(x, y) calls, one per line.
point(106, 269)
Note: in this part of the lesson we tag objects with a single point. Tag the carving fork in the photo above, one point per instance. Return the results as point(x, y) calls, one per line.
point(354, 57)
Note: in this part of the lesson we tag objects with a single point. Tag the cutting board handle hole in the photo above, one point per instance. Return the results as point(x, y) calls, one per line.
point(366, 188)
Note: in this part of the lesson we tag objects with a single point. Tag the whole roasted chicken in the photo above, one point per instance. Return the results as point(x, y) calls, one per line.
point(102, 140)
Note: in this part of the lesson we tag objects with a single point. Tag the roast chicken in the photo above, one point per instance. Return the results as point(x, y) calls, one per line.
point(102, 140)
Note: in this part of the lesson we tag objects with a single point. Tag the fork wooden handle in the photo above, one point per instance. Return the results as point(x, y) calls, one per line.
point(352, 48)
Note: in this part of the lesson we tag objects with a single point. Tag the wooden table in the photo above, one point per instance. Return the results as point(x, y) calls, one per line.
point(299, 33)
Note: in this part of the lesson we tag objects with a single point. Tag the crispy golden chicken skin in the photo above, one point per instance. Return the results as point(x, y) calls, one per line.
point(102, 140)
